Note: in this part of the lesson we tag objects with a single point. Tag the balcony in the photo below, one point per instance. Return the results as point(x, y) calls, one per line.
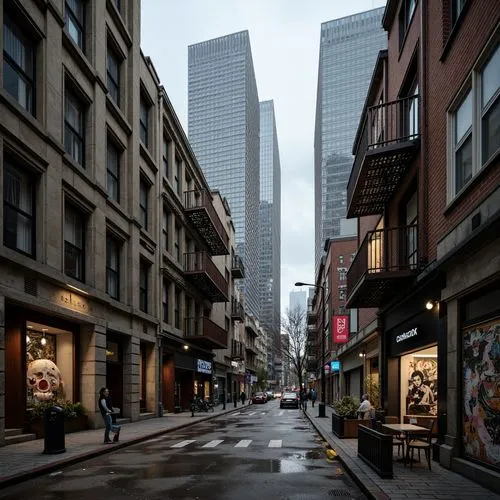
point(385, 264)
point(237, 351)
point(311, 317)
point(237, 311)
point(200, 211)
point(251, 328)
point(251, 349)
point(200, 270)
point(205, 333)
point(389, 140)
point(237, 267)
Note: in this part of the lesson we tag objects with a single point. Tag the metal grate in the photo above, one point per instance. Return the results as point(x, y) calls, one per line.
point(31, 286)
point(339, 493)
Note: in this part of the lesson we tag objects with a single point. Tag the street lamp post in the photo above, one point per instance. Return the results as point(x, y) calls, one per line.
point(321, 405)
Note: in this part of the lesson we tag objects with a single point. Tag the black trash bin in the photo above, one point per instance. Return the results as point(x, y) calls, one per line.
point(53, 421)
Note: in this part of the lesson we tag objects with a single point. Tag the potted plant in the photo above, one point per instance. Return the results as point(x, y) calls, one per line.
point(75, 418)
point(345, 417)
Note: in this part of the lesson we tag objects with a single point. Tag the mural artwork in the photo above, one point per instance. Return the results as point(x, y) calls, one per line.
point(422, 386)
point(481, 365)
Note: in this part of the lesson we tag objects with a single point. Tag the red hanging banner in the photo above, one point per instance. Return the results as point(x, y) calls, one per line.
point(340, 329)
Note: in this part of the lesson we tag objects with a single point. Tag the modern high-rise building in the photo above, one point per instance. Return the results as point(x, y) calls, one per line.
point(297, 299)
point(223, 127)
point(270, 232)
point(348, 50)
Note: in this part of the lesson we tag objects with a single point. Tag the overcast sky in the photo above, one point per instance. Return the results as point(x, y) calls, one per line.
point(284, 36)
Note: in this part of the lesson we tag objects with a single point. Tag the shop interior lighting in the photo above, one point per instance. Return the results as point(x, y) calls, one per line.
point(362, 354)
point(186, 347)
point(429, 305)
point(424, 355)
point(44, 340)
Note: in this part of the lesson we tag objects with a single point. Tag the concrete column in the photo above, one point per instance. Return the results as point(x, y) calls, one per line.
point(2, 370)
point(93, 370)
point(131, 389)
point(152, 394)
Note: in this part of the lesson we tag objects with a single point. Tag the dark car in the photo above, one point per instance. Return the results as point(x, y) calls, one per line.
point(289, 400)
point(259, 397)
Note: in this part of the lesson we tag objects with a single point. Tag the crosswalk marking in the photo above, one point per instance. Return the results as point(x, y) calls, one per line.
point(183, 443)
point(237, 413)
point(275, 443)
point(280, 413)
point(263, 413)
point(252, 413)
point(213, 444)
point(244, 443)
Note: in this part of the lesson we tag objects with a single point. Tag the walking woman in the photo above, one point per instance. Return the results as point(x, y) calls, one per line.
point(106, 412)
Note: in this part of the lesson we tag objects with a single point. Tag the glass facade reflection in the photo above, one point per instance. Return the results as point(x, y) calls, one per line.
point(270, 233)
point(223, 129)
point(348, 50)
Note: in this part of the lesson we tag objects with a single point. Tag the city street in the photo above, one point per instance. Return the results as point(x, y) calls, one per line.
point(259, 451)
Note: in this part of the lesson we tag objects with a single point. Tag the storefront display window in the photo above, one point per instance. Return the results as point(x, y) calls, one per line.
point(481, 392)
point(419, 383)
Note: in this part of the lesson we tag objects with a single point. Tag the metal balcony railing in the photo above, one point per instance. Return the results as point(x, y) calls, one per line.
point(201, 271)
point(237, 267)
point(205, 332)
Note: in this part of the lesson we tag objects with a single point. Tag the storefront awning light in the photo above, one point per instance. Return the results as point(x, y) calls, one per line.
point(77, 289)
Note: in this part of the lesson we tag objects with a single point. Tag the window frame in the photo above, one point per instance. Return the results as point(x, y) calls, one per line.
point(405, 18)
point(164, 301)
point(73, 246)
point(165, 232)
point(115, 177)
point(472, 84)
point(70, 95)
point(144, 269)
point(456, 8)
point(69, 15)
point(144, 107)
point(177, 175)
point(21, 73)
point(112, 54)
point(165, 152)
point(115, 244)
point(144, 209)
point(8, 206)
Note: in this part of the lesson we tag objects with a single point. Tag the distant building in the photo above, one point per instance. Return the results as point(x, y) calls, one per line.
point(297, 299)
point(348, 50)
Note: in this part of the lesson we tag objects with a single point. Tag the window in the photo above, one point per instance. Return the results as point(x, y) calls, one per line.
point(74, 243)
point(117, 5)
point(113, 169)
point(74, 127)
point(113, 71)
point(144, 203)
point(411, 237)
point(143, 286)
point(144, 121)
point(177, 182)
point(342, 274)
point(456, 8)
point(18, 65)
point(475, 125)
point(165, 223)
point(405, 17)
point(112, 267)
point(165, 302)
point(18, 210)
point(165, 157)
point(177, 243)
point(75, 21)
point(341, 259)
point(177, 313)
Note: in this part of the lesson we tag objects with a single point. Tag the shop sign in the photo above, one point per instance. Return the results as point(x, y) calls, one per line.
point(327, 368)
point(340, 329)
point(73, 301)
point(335, 366)
point(253, 379)
point(407, 335)
point(204, 366)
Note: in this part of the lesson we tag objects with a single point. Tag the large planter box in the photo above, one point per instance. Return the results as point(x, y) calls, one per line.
point(76, 424)
point(346, 427)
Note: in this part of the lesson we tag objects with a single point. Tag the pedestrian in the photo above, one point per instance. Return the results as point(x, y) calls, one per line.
point(235, 399)
point(243, 397)
point(303, 399)
point(107, 412)
point(365, 407)
point(314, 395)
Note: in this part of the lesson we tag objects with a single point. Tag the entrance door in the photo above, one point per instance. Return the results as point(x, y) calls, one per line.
point(114, 372)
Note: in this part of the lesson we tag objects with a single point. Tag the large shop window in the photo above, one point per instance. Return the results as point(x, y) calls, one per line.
point(419, 383)
point(49, 361)
point(481, 392)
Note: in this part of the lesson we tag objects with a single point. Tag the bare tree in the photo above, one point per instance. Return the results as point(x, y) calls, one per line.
point(293, 324)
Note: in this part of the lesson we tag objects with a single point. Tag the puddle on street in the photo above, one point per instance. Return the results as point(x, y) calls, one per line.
point(280, 466)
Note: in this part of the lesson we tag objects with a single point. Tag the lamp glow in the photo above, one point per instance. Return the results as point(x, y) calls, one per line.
point(429, 305)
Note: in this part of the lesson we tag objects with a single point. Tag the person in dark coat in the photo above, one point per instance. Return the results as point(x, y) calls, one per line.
point(243, 397)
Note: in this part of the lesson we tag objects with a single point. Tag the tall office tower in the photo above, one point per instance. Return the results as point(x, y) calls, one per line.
point(298, 299)
point(223, 127)
point(348, 51)
point(270, 233)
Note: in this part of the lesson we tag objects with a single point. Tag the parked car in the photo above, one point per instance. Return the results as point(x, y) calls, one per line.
point(277, 395)
point(289, 400)
point(269, 395)
point(259, 397)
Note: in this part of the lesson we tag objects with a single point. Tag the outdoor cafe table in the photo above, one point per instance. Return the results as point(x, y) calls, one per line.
point(404, 429)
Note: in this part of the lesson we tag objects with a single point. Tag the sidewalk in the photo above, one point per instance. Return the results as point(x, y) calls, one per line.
point(22, 461)
point(406, 484)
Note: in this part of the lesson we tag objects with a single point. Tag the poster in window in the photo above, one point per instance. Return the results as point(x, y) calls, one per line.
point(422, 386)
point(481, 392)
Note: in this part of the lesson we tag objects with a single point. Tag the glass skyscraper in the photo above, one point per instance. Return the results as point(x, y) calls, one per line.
point(223, 129)
point(348, 50)
point(270, 234)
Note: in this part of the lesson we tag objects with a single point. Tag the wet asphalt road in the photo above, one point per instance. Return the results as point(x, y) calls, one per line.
point(261, 452)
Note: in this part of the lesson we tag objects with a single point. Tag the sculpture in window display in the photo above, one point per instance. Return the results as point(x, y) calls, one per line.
point(43, 378)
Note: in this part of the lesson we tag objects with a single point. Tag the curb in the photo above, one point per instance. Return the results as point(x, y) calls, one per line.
point(367, 486)
point(44, 469)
